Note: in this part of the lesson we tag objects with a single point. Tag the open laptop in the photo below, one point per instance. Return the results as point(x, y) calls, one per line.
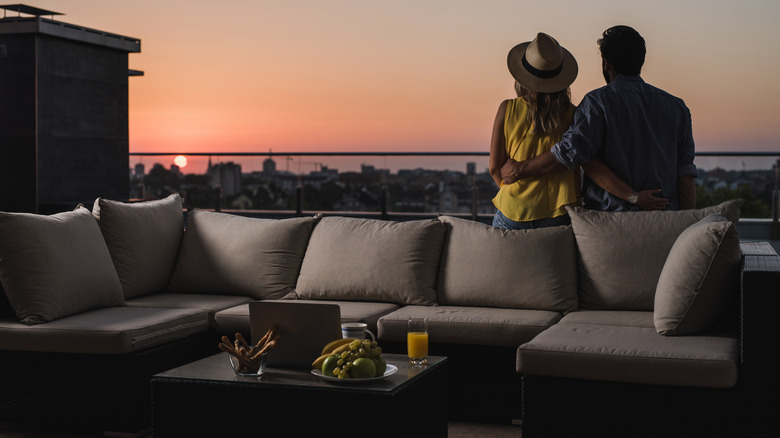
point(303, 329)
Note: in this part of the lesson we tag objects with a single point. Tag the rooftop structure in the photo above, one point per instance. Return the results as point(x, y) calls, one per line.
point(64, 112)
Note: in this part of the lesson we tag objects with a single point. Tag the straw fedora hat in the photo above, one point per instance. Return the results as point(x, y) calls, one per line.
point(542, 65)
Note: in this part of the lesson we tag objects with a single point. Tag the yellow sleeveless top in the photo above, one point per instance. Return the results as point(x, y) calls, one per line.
point(534, 198)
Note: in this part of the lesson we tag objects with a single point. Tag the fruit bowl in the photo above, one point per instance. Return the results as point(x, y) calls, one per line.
point(254, 368)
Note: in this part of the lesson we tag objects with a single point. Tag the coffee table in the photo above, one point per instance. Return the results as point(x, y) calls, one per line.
point(206, 398)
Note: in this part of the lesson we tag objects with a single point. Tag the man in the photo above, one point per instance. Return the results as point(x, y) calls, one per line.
point(641, 133)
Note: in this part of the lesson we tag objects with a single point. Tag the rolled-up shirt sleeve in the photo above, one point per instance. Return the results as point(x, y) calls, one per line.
point(685, 149)
point(583, 138)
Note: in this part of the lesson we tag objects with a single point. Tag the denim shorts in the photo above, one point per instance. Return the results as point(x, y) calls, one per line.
point(503, 222)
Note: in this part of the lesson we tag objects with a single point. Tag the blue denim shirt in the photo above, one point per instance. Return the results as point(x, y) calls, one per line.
point(641, 132)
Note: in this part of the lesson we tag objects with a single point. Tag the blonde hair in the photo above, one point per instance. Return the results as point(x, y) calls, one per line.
point(547, 110)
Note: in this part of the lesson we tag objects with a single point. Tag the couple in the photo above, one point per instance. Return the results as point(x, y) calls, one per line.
point(633, 141)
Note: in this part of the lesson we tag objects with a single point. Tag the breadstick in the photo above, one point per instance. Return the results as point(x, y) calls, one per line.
point(228, 349)
point(265, 337)
point(243, 341)
point(266, 347)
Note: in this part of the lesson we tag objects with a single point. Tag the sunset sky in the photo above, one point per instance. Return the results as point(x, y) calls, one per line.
point(415, 75)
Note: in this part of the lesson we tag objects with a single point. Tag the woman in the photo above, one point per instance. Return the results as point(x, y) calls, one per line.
point(530, 125)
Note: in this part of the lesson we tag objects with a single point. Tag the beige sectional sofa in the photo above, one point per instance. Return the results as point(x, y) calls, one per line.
point(105, 298)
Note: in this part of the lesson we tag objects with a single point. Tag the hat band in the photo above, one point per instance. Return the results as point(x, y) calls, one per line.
point(543, 74)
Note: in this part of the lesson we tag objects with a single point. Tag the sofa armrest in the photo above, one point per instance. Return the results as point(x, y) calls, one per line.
point(760, 301)
point(760, 344)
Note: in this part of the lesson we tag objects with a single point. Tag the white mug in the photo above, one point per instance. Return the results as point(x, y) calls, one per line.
point(356, 330)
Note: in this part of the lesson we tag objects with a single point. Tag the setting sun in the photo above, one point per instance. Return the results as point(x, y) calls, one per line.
point(180, 161)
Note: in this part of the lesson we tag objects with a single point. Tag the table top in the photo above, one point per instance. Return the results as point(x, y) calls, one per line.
point(217, 370)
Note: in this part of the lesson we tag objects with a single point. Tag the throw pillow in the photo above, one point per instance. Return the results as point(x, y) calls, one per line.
point(700, 277)
point(527, 269)
point(55, 266)
point(621, 254)
point(372, 260)
point(223, 253)
point(143, 239)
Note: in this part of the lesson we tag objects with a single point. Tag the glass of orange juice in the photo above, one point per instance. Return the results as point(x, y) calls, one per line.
point(417, 341)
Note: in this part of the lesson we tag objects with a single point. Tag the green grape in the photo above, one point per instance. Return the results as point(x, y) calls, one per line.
point(344, 355)
point(361, 352)
point(340, 362)
point(336, 371)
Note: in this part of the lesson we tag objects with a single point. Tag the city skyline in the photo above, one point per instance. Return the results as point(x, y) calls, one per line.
point(306, 164)
point(464, 190)
point(413, 76)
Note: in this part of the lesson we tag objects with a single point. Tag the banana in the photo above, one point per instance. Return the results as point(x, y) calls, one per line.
point(317, 364)
point(335, 344)
point(340, 349)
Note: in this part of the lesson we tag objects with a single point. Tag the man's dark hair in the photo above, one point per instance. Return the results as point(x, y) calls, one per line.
point(624, 48)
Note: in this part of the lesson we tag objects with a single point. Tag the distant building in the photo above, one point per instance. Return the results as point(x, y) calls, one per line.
point(227, 175)
point(448, 200)
point(140, 171)
point(269, 168)
point(325, 174)
point(64, 114)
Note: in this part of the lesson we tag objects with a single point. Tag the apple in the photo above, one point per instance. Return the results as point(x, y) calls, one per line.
point(381, 366)
point(329, 364)
point(362, 368)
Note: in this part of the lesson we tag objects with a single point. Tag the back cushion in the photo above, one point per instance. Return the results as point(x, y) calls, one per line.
point(372, 260)
point(621, 254)
point(143, 239)
point(489, 267)
point(700, 277)
point(55, 266)
point(223, 253)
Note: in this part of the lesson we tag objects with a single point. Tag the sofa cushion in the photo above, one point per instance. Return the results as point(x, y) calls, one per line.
point(111, 330)
point(236, 319)
point(490, 267)
point(621, 254)
point(628, 318)
point(55, 266)
point(143, 239)
point(372, 260)
point(631, 355)
point(700, 277)
point(223, 253)
point(469, 325)
point(210, 303)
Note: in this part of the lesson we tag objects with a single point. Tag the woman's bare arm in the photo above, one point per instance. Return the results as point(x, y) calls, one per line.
point(498, 154)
